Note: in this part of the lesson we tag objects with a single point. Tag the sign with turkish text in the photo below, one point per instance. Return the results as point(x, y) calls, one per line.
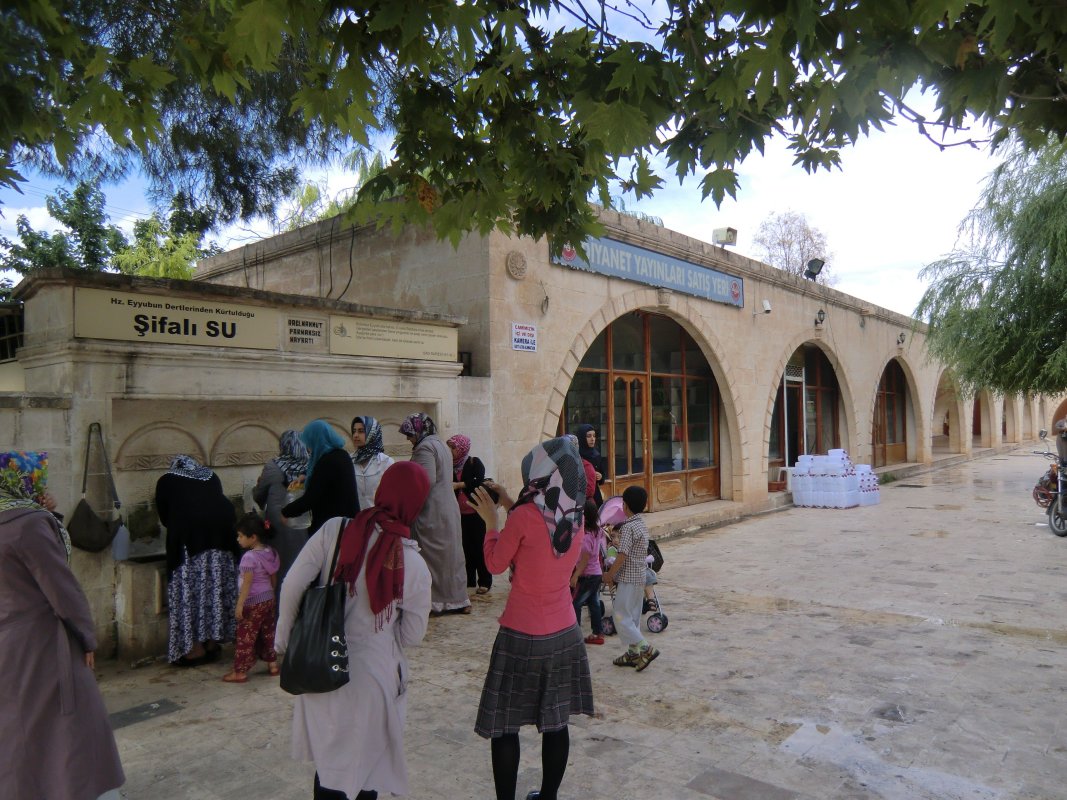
point(361, 336)
point(130, 317)
point(632, 263)
point(524, 337)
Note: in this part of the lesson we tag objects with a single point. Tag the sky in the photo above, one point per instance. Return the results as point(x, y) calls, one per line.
point(893, 207)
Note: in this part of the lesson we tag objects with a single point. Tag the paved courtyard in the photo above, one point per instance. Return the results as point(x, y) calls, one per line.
point(913, 650)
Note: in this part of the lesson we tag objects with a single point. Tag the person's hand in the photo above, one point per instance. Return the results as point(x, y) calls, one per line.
point(48, 501)
point(608, 580)
point(574, 582)
point(481, 502)
point(504, 498)
point(599, 477)
point(239, 612)
point(90, 660)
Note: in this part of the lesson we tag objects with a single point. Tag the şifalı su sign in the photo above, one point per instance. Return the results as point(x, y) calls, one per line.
point(632, 263)
point(123, 316)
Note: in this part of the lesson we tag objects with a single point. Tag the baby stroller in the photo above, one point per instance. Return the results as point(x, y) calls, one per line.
point(611, 515)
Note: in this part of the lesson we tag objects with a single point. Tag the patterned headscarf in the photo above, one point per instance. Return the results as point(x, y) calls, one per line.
point(189, 467)
point(23, 477)
point(398, 500)
point(292, 458)
point(461, 446)
point(555, 482)
point(320, 438)
point(418, 425)
point(374, 443)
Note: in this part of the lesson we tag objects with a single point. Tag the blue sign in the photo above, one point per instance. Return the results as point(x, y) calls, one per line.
point(632, 263)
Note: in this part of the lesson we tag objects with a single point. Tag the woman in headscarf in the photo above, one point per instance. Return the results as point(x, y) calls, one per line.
point(330, 485)
point(355, 735)
point(369, 460)
point(437, 528)
point(285, 469)
point(201, 566)
point(538, 671)
point(588, 451)
point(468, 472)
point(55, 738)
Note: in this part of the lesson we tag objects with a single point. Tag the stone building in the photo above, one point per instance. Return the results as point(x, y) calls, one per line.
point(704, 372)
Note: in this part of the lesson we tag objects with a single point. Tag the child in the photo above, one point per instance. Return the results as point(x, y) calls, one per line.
point(585, 580)
point(629, 571)
point(255, 601)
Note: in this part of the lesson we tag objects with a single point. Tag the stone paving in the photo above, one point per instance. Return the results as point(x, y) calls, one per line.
point(908, 650)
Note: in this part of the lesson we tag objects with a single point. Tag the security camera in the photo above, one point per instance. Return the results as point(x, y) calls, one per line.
point(766, 306)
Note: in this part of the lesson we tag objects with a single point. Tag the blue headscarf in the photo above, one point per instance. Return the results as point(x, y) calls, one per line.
point(320, 438)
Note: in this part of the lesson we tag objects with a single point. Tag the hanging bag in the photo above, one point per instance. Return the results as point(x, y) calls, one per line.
point(316, 659)
point(87, 530)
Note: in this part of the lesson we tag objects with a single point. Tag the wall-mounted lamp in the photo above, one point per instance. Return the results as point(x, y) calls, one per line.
point(766, 309)
point(820, 318)
point(813, 269)
point(900, 339)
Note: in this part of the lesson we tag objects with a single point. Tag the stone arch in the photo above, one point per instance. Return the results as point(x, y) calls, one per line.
point(1026, 428)
point(918, 424)
point(1008, 420)
point(1057, 415)
point(984, 419)
point(843, 383)
point(153, 446)
point(686, 314)
point(948, 409)
point(244, 443)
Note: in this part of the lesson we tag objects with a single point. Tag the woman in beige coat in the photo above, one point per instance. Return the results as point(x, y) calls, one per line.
point(438, 529)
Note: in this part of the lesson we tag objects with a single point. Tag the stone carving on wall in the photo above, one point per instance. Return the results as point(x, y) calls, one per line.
point(516, 265)
point(153, 447)
point(244, 443)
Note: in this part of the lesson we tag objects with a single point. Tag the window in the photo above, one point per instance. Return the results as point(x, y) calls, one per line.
point(11, 330)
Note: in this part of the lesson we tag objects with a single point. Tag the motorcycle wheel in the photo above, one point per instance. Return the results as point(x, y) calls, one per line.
point(1057, 523)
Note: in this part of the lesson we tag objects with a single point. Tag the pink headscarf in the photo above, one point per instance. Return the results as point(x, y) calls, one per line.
point(461, 446)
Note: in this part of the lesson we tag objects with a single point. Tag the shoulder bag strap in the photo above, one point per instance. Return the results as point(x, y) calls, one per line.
point(337, 549)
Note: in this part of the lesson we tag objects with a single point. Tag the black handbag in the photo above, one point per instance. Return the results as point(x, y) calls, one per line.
point(88, 531)
point(316, 659)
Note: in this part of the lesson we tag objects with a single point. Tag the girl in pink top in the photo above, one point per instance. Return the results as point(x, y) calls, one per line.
point(538, 671)
point(255, 600)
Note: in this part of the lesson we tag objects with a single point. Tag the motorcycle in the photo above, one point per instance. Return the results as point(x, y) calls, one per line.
point(1051, 488)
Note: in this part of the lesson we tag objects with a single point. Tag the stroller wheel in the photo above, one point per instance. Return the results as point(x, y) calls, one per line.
point(608, 626)
point(656, 622)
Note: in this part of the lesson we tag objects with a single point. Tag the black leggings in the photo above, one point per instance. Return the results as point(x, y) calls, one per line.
point(322, 793)
point(555, 748)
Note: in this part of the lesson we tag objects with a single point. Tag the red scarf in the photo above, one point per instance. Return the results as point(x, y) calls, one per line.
point(398, 501)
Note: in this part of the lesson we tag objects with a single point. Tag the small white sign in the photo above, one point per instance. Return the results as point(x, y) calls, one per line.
point(524, 337)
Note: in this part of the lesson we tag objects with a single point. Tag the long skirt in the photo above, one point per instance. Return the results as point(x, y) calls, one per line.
point(202, 598)
point(534, 680)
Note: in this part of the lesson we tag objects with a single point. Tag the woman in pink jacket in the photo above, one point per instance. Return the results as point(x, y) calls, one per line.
point(538, 671)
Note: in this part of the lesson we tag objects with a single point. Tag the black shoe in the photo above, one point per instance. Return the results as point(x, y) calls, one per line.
point(533, 796)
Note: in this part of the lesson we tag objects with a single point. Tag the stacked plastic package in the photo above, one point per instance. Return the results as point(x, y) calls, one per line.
point(833, 481)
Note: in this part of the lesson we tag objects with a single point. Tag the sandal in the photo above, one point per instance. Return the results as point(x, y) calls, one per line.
point(627, 659)
point(482, 590)
point(273, 670)
point(235, 677)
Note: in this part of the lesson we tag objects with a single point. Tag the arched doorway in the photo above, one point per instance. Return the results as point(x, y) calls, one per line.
point(1009, 430)
point(945, 431)
point(891, 411)
point(807, 414)
point(650, 392)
